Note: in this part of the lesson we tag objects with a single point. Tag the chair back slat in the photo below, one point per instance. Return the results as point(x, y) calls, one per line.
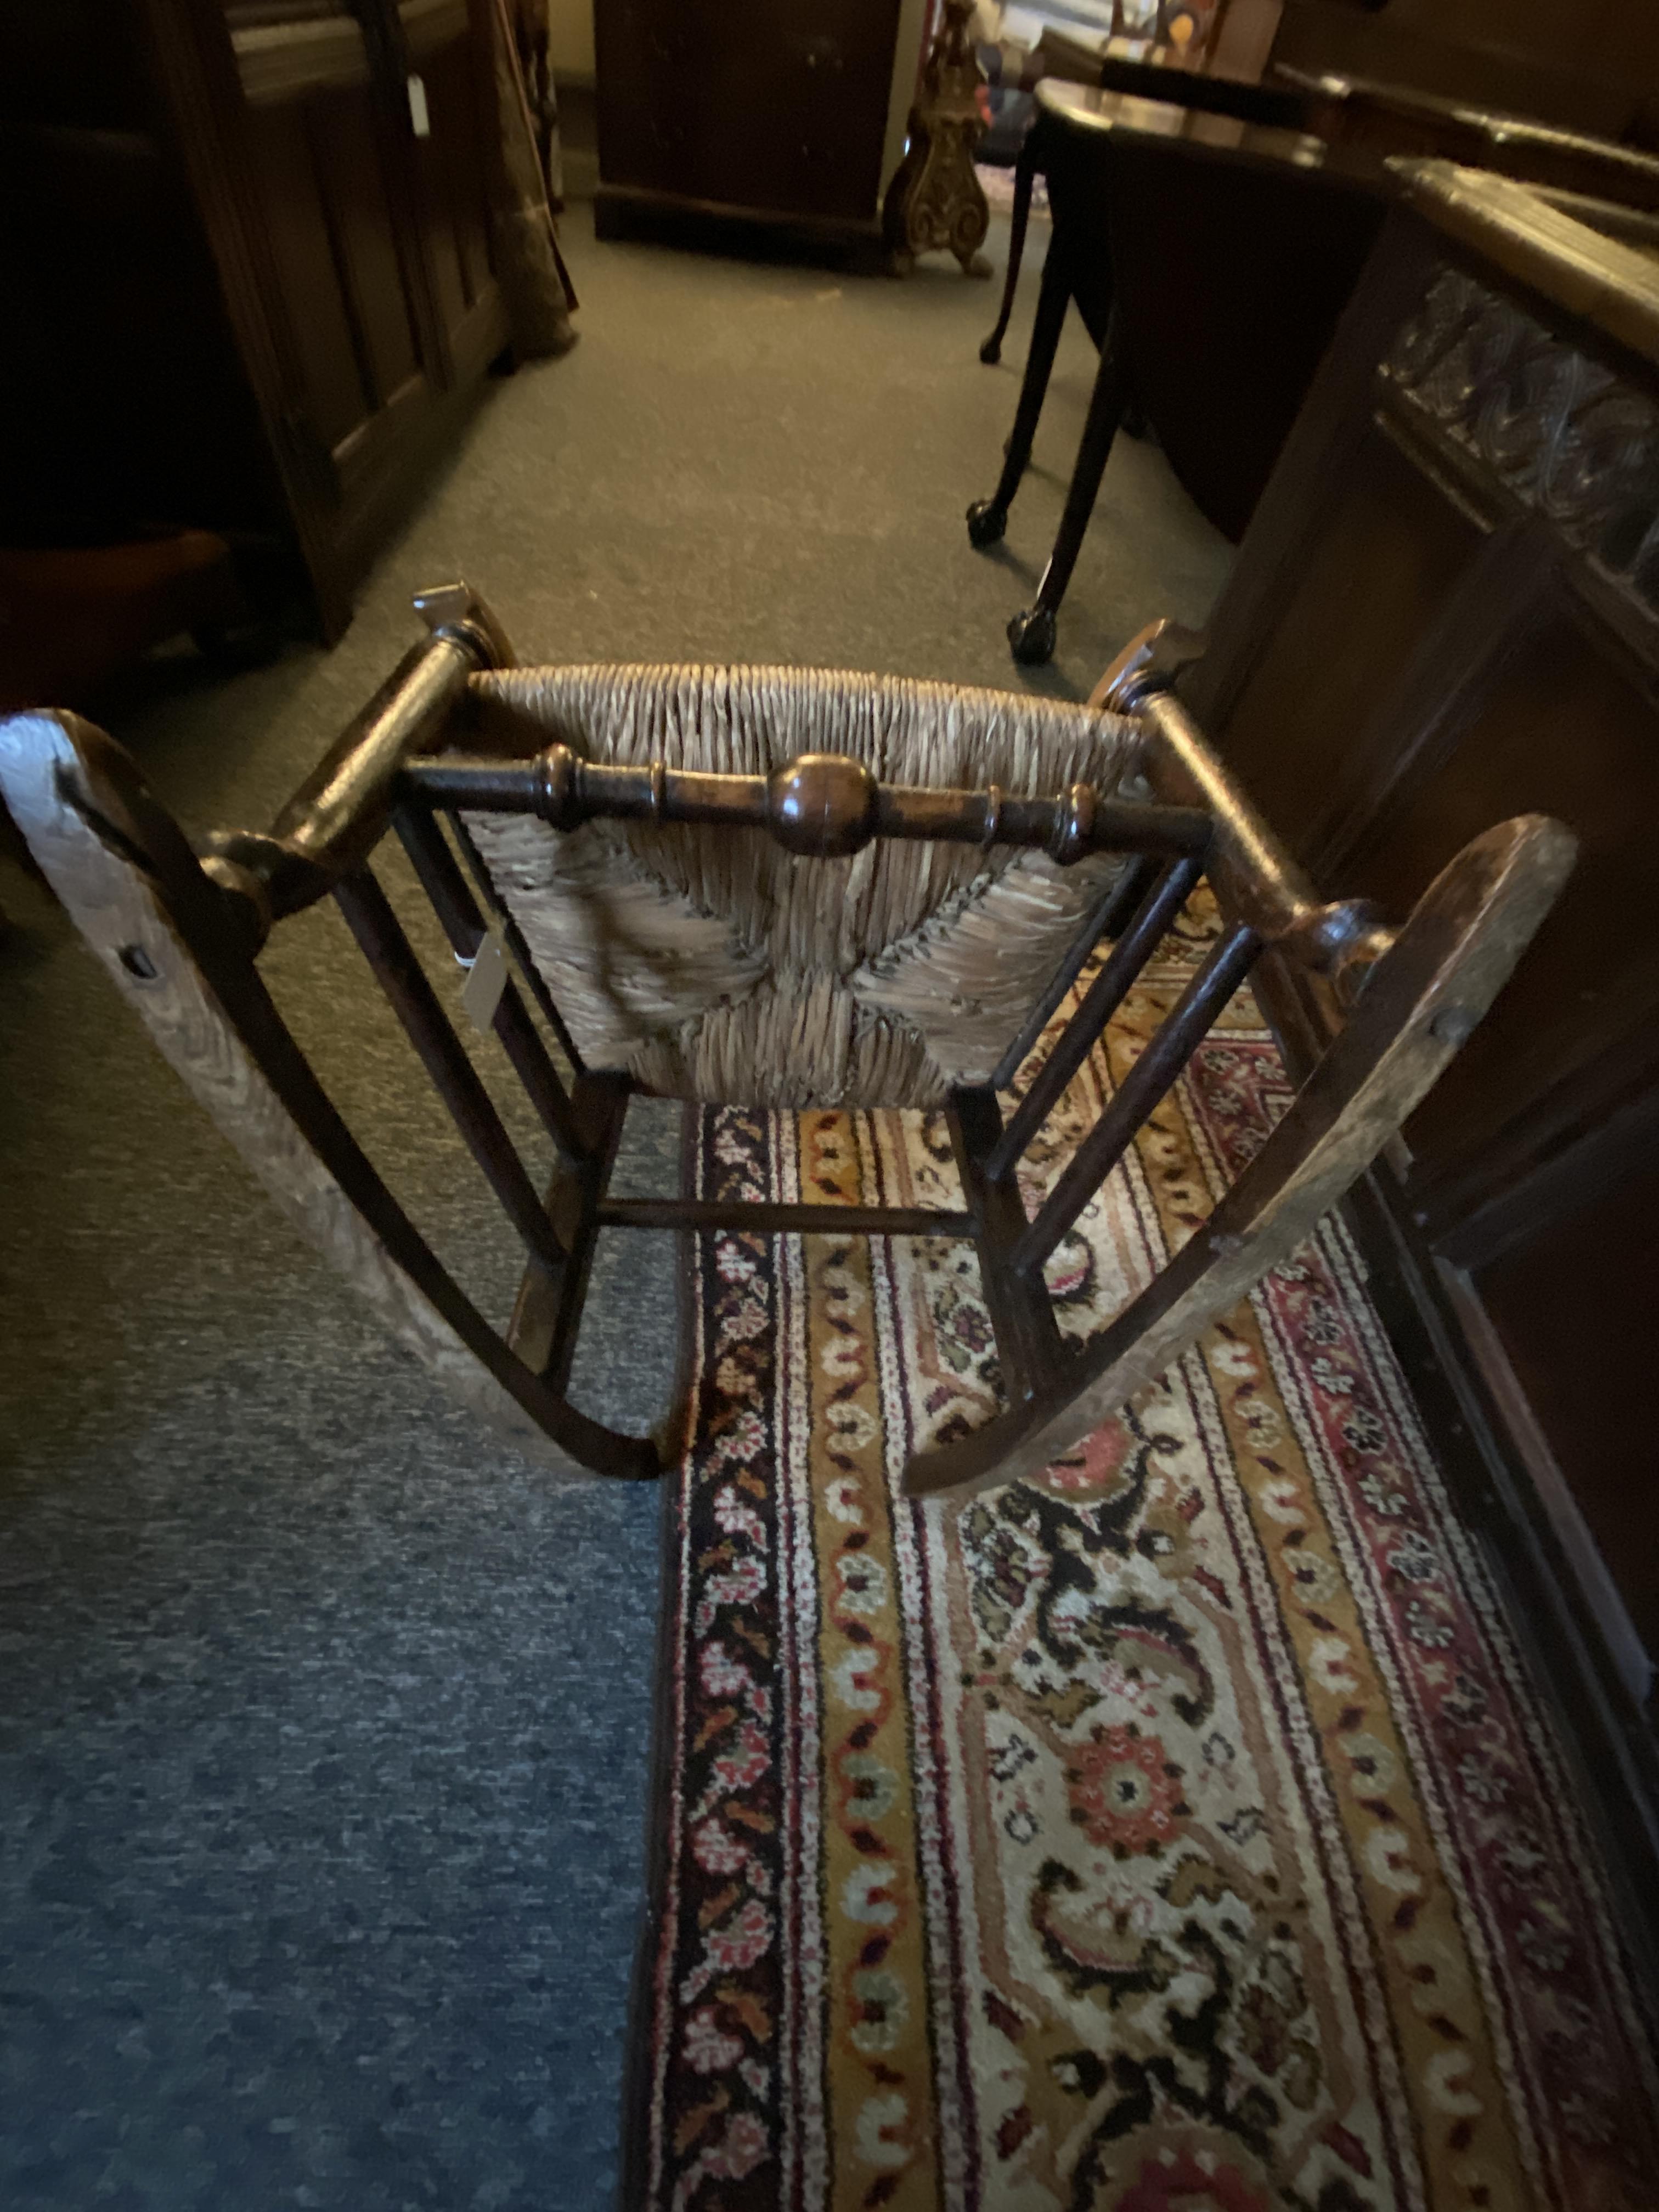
point(458, 912)
point(381, 935)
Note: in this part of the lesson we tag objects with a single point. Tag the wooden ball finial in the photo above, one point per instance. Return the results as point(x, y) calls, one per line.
point(1073, 837)
point(821, 806)
point(558, 793)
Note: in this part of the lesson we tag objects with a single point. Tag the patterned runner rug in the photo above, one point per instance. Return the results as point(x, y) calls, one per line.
point(1176, 1833)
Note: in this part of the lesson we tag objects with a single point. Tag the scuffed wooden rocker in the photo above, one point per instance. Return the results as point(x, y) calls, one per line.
point(780, 888)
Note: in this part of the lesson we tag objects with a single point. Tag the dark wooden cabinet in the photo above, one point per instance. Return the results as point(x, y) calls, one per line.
point(386, 303)
point(742, 107)
point(258, 284)
point(1591, 67)
point(1446, 611)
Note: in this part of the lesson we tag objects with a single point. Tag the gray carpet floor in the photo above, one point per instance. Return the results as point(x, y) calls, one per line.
point(323, 1718)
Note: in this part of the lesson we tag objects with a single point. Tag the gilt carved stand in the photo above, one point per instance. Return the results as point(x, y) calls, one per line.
point(935, 204)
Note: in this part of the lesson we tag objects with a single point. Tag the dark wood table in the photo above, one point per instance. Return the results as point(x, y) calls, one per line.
point(1262, 115)
point(1236, 77)
point(1210, 258)
point(1395, 118)
point(1242, 80)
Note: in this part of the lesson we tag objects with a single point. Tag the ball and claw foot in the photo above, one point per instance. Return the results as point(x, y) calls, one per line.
point(986, 522)
point(991, 352)
point(1031, 633)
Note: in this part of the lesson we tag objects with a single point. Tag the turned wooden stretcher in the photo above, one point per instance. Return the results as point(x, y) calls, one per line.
point(782, 888)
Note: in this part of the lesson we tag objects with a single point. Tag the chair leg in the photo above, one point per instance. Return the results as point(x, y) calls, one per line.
point(1032, 632)
point(167, 936)
point(1025, 178)
point(989, 517)
point(1420, 1001)
point(548, 1311)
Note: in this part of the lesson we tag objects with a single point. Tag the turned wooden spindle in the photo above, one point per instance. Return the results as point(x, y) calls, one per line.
point(821, 806)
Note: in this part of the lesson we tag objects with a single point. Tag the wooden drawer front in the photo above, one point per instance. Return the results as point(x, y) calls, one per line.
point(779, 109)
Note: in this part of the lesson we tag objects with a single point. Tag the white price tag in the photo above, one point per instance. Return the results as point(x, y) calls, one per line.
point(486, 980)
point(417, 115)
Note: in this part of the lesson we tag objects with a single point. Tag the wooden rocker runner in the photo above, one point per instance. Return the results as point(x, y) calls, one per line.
point(636, 837)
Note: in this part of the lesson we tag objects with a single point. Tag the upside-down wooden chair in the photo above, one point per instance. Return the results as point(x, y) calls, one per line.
point(782, 888)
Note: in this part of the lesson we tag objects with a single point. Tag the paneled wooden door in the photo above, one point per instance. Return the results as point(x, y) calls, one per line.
point(446, 48)
point(365, 130)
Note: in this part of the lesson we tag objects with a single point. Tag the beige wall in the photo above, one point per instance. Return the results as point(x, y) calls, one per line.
point(570, 23)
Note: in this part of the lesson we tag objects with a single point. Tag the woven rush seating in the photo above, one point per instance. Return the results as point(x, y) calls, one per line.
point(781, 889)
point(715, 966)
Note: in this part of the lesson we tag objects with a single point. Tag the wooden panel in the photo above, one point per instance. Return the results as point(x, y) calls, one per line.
point(71, 62)
point(444, 159)
point(225, 310)
point(1441, 616)
point(345, 129)
point(117, 374)
point(1267, 257)
point(324, 141)
point(337, 390)
point(1592, 64)
point(1561, 730)
point(743, 105)
point(453, 186)
point(1581, 1361)
point(304, 49)
point(1380, 561)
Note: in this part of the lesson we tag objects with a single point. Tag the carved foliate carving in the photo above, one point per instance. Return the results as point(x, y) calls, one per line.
point(1561, 431)
point(935, 204)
